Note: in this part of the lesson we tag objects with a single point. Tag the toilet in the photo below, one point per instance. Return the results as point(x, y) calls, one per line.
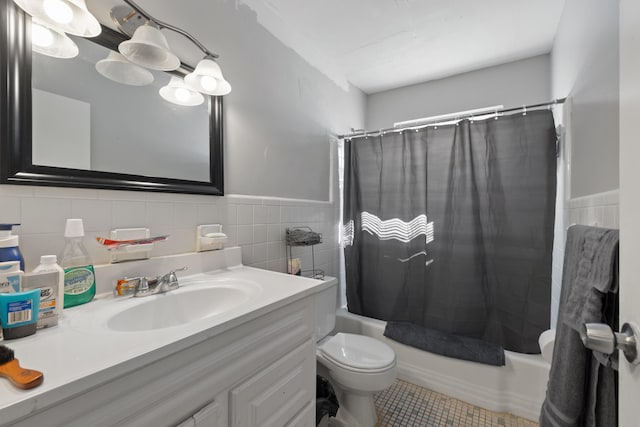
point(357, 366)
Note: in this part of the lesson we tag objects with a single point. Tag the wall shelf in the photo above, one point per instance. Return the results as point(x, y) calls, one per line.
point(303, 236)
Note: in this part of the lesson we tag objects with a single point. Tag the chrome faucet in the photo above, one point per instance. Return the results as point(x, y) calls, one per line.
point(145, 286)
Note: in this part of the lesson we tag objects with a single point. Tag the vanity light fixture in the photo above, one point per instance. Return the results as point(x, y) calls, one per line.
point(180, 93)
point(48, 41)
point(207, 78)
point(149, 48)
point(68, 16)
point(117, 68)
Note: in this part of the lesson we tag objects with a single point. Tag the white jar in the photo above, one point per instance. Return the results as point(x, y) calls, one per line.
point(49, 264)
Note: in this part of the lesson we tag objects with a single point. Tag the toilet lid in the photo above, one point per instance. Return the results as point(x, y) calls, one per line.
point(358, 351)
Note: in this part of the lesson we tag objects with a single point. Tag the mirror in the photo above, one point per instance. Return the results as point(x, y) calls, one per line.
point(117, 136)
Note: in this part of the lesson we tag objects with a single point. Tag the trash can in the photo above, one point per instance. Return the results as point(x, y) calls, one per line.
point(326, 401)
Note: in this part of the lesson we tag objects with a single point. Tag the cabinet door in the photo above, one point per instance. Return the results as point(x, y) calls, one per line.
point(209, 416)
point(278, 393)
point(305, 418)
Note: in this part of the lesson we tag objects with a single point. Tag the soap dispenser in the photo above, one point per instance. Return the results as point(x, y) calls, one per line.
point(9, 250)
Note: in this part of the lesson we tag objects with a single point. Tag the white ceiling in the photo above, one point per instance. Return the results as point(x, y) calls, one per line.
point(383, 44)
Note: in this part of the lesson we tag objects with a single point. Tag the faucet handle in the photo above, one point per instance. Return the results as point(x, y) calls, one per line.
point(143, 285)
point(172, 274)
point(170, 278)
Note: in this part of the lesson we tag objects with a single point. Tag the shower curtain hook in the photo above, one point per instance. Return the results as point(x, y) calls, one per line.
point(524, 110)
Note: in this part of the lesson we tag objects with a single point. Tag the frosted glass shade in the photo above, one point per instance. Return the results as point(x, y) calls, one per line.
point(179, 93)
point(149, 48)
point(68, 16)
point(207, 78)
point(116, 67)
point(50, 42)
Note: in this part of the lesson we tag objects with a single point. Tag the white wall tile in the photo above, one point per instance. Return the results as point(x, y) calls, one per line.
point(260, 233)
point(259, 253)
point(11, 209)
point(260, 214)
point(245, 234)
point(185, 215)
point(232, 235)
point(95, 214)
point(44, 215)
point(273, 214)
point(16, 190)
point(256, 224)
point(159, 215)
point(245, 214)
point(275, 233)
point(207, 213)
point(128, 214)
point(275, 250)
point(33, 246)
point(247, 255)
point(279, 265)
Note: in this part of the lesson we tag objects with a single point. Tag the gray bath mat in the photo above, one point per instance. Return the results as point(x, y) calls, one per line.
point(445, 344)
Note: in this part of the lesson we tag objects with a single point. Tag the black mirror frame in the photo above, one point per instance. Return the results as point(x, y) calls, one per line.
point(16, 133)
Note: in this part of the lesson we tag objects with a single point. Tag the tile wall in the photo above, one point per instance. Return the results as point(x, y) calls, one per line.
point(601, 210)
point(256, 224)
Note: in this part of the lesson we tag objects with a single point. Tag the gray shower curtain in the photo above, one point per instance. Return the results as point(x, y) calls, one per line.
point(451, 228)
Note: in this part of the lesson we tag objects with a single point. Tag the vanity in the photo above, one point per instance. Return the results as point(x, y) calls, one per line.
point(233, 346)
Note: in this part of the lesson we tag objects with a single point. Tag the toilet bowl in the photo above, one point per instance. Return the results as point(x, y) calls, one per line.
point(356, 366)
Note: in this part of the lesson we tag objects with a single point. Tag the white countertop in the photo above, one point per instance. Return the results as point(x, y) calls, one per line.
point(81, 352)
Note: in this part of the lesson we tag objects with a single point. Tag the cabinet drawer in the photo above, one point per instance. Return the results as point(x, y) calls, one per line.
point(274, 396)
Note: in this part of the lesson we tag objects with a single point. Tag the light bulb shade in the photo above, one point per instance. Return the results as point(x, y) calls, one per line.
point(149, 48)
point(179, 93)
point(116, 67)
point(207, 78)
point(68, 16)
point(50, 42)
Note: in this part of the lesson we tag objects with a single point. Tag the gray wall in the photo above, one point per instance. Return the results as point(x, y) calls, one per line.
point(585, 66)
point(279, 118)
point(512, 84)
point(281, 111)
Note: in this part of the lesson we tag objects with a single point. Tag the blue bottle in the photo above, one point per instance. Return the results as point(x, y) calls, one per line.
point(9, 250)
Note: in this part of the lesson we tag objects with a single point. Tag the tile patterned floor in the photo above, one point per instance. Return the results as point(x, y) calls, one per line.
point(407, 405)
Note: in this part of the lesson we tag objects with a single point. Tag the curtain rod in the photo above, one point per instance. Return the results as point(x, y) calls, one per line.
point(425, 122)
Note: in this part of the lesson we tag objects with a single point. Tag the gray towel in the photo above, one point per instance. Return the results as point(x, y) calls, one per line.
point(445, 344)
point(581, 391)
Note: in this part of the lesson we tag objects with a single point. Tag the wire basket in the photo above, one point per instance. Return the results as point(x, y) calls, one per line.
point(304, 236)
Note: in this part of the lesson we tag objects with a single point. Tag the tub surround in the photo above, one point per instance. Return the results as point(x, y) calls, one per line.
point(82, 354)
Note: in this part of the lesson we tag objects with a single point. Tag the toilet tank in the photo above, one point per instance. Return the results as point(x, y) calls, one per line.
point(326, 304)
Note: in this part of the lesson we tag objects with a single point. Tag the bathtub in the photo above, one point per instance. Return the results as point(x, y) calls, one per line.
point(518, 387)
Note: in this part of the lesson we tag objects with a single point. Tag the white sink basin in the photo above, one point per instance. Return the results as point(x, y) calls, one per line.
point(195, 301)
